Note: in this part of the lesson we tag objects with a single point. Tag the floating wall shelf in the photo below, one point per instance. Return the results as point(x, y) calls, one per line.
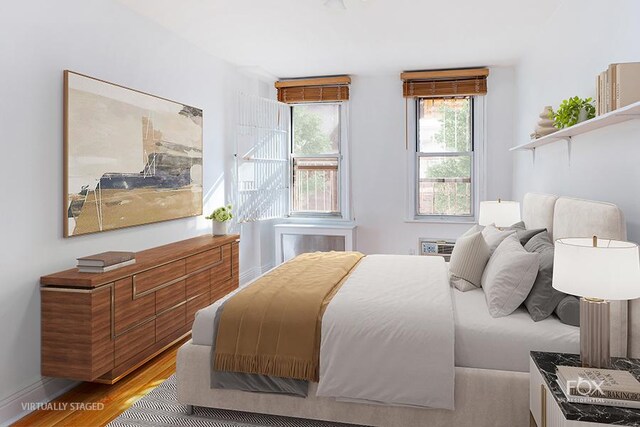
point(630, 112)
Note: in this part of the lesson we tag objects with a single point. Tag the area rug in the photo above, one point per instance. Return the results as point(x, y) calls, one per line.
point(161, 408)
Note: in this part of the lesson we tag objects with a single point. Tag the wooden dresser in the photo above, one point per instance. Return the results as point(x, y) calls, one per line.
point(100, 327)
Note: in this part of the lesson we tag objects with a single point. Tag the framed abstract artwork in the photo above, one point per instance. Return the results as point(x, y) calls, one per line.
point(130, 158)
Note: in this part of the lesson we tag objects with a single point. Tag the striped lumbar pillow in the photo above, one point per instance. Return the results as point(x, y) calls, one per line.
point(468, 259)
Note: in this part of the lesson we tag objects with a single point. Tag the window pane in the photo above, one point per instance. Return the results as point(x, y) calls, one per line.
point(316, 129)
point(444, 185)
point(315, 185)
point(444, 125)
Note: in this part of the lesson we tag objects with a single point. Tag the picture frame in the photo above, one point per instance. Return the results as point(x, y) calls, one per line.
point(130, 158)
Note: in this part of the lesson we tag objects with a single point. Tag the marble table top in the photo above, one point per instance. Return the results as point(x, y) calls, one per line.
point(547, 362)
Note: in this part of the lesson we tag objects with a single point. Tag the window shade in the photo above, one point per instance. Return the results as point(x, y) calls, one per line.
point(322, 89)
point(440, 83)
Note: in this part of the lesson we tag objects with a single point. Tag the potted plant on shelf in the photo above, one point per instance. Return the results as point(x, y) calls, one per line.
point(572, 111)
point(219, 219)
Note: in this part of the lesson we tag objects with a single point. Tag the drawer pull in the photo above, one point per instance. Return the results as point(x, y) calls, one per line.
point(543, 406)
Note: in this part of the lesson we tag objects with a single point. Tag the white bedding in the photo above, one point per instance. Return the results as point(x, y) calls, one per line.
point(481, 341)
point(504, 343)
point(390, 344)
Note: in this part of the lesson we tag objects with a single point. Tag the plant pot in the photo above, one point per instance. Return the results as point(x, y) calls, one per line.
point(218, 228)
point(582, 115)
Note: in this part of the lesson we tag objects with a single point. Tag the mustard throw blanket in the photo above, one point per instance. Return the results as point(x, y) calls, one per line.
point(273, 326)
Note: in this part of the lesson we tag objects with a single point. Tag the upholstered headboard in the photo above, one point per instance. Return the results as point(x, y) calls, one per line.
point(586, 218)
point(537, 211)
point(568, 217)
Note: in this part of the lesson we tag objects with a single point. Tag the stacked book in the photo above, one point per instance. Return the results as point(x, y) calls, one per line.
point(617, 86)
point(608, 387)
point(106, 261)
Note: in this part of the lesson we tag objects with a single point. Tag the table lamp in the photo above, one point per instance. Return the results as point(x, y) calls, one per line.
point(597, 270)
point(501, 213)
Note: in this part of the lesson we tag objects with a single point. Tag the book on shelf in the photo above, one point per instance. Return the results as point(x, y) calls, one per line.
point(608, 387)
point(617, 86)
point(607, 90)
point(611, 87)
point(105, 259)
point(106, 268)
point(600, 95)
point(627, 83)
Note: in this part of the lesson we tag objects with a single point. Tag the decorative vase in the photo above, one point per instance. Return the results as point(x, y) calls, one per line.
point(218, 228)
point(545, 124)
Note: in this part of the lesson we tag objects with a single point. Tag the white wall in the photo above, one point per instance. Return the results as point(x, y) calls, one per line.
point(378, 160)
point(101, 38)
point(580, 40)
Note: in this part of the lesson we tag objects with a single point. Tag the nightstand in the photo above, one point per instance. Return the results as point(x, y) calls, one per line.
point(549, 406)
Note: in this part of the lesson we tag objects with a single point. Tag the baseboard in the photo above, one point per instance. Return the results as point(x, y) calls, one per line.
point(249, 275)
point(27, 400)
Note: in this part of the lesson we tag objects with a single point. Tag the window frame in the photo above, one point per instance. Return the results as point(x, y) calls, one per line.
point(477, 162)
point(342, 158)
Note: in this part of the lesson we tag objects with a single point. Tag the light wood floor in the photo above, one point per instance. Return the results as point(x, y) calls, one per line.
point(116, 398)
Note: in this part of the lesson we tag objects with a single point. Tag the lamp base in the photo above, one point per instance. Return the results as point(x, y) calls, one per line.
point(594, 333)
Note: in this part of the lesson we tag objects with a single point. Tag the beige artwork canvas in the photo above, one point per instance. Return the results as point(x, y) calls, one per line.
point(130, 158)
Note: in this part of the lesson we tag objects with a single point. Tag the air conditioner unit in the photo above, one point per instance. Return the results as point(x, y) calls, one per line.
point(436, 247)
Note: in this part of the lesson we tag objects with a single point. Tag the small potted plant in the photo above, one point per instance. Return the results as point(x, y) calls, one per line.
point(572, 111)
point(219, 219)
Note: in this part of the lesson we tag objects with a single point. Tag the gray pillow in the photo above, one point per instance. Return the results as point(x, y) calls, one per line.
point(568, 310)
point(523, 234)
point(468, 259)
point(494, 236)
point(543, 298)
point(508, 277)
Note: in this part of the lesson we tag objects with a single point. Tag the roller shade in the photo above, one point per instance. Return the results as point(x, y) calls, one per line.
point(443, 83)
point(321, 89)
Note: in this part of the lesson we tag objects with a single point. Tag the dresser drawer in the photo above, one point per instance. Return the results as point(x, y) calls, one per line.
point(198, 284)
point(134, 341)
point(170, 296)
point(129, 311)
point(223, 271)
point(151, 279)
point(170, 321)
point(221, 289)
point(196, 304)
point(204, 259)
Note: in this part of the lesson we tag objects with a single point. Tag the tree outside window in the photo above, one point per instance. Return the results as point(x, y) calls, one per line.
point(444, 156)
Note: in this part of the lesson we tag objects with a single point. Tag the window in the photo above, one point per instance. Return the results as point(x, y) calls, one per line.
point(444, 157)
point(316, 159)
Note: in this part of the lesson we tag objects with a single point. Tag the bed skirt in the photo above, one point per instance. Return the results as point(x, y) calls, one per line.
point(483, 397)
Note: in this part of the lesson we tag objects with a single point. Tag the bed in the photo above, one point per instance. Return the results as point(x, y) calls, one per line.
point(491, 354)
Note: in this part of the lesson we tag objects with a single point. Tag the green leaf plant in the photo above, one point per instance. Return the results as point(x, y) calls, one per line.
point(221, 214)
point(569, 111)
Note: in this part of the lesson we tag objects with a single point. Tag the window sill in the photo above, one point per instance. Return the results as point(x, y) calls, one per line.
point(442, 220)
point(310, 220)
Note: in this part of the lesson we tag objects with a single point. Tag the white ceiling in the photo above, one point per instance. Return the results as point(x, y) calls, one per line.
point(294, 38)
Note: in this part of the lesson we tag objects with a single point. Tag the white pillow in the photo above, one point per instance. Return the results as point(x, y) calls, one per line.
point(472, 230)
point(468, 259)
point(494, 236)
point(509, 276)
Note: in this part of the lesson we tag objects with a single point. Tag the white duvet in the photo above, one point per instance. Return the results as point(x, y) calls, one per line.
point(388, 334)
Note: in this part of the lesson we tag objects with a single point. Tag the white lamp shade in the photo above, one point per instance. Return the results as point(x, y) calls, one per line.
point(501, 213)
point(609, 271)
